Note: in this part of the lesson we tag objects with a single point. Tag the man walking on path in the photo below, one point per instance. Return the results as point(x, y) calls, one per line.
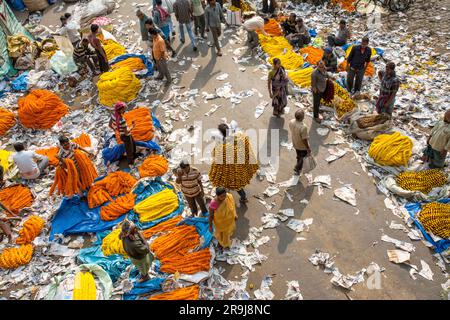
point(198, 10)
point(183, 13)
point(299, 133)
point(214, 17)
point(357, 61)
point(144, 31)
point(160, 55)
point(190, 180)
point(319, 79)
point(388, 89)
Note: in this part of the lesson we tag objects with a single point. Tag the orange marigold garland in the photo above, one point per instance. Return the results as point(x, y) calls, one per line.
point(189, 263)
point(118, 207)
point(112, 185)
point(179, 240)
point(187, 293)
point(15, 257)
point(41, 109)
point(7, 121)
point(86, 169)
point(162, 227)
point(67, 182)
point(16, 197)
point(154, 166)
point(143, 124)
point(31, 229)
point(314, 54)
point(272, 28)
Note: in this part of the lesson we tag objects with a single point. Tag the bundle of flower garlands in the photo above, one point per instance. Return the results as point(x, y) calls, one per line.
point(118, 207)
point(74, 178)
point(112, 244)
point(154, 165)
point(31, 229)
point(7, 121)
point(272, 28)
point(314, 55)
point(289, 60)
point(113, 49)
point(391, 149)
point(84, 141)
point(435, 218)
point(118, 85)
point(274, 46)
point(84, 287)
point(162, 227)
point(157, 205)
point(15, 257)
point(186, 293)
point(135, 64)
point(16, 197)
point(342, 101)
point(301, 77)
point(345, 4)
point(113, 185)
point(143, 124)
point(41, 109)
point(234, 163)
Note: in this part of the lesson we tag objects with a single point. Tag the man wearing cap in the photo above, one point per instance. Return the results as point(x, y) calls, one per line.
point(190, 180)
point(330, 60)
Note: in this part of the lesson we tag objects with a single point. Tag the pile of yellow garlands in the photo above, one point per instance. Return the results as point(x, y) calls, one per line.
point(157, 205)
point(118, 85)
point(391, 149)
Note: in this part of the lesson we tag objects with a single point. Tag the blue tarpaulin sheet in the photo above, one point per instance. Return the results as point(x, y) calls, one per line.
point(313, 33)
point(414, 208)
point(74, 216)
point(145, 189)
point(21, 82)
point(116, 152)
point(144, 59)
point(156, 122)
point(202, 226)
point(379, 51)
point(140, 288)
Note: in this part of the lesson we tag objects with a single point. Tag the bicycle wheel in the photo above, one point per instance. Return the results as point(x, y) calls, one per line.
point(399, 5)
point(365, 6)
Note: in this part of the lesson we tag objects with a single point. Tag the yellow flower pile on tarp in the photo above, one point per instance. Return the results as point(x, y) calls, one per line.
point(435, 218)
point(157, 205)
point(112, 244)
point(143, 124)
point(114, 184)
point(117, 207)
point(423, 181)
point(135, 64)
point(41, 109)
point(342, 101)
point(31, 229)
point(234, 163)
point(314, 55)
point(272, 28)
point(391, 149)
point(15, 257)
point(289, 60)
point(84, 287)
point(187, 293)
point(154, 165)
point(274, 46)
point(118, 85)
point(16, 197)
point(301, 77)
point(113, 49)
point(7, 121)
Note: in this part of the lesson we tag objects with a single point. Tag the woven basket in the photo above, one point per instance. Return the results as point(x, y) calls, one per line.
point(36, 5)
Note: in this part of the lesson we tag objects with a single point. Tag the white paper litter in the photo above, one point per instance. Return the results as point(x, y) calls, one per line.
point(260, 109)
point(222, 77)
point(335, 154)
point(399, 244)
point(398, 256)
point(324, 180)
point(323, 131)
point(299, 225)
point(287, 212)
point(293, 291)
point(264, 292)
point(347, 194)
point(271, 191)
point(426, 271)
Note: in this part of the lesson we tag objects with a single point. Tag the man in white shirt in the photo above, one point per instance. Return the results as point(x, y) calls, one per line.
point(69, 29)
point(28, 168)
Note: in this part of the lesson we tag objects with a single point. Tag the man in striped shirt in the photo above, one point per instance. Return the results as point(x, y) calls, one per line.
point(82, 54)
point(190, 180)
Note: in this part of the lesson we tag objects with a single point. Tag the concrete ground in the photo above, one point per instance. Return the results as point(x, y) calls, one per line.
point(336, 228)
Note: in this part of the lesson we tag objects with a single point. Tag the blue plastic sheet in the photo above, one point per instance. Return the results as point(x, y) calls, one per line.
point(116, 152)
point(342, 82)
point(379, 51)
point(202, 227)
point(74, 217)
point(145, 189)
point(139, 288)
point(144, 59)
point(313, 33)
point(16, 4)
point(21, 82)
point(413, 208)
point(156, 122)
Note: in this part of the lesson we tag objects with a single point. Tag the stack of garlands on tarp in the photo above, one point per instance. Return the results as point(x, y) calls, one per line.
point(391, 149)
point(272, 28)
point(143, 124)
point(435, 218)
point(186, 293)
point(423, 181)
point(342, 102)
point(118, 85)
point(154, 165)
point(314, 55)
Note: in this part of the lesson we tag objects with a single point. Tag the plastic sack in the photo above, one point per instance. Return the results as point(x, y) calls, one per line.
point(369, 133)
point(234, 18)
point(97, 8)
point(63, 64)
point(391, 184)
point(21, 82)
point(64, 45)
point(309, 164)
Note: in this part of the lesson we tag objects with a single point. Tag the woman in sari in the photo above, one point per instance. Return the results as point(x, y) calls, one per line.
point(277, 85)
point(222, 212)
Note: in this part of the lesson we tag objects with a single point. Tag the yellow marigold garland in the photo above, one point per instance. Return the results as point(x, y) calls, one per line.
point(391, 149)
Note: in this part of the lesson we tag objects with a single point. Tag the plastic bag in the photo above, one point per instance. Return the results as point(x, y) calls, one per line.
point(64, 45)
point(309, 164)
point(63, 64)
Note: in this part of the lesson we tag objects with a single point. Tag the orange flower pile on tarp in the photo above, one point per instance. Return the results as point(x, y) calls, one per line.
point(162, 227)
point(7, 121)
point(345, 4)
point(16, 197)
point(118, 207)
point(30, 230)
point(154, 166)
point(272, 28)
point(370, 71)
point(143, 129)
point(112, 185)
point(314, 54)
point(15, 257)
point(84, 141)
point(135, 64)
point(189, 263)
point(41, 109)
point(187, 293)
point(179, 240)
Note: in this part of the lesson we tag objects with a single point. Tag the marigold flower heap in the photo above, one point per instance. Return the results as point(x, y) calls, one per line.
point(423, 181)
point(114, 184)
point(154, 165)
point(113, 49)
point(135, 64)
point(16, 197)
point(41, 109)
point(391, 149)
point(186, 293)
point(31, 229)
point(435, 218)
point(143, 124)
point(118, 85)
point(157, 205)
point(7, 121)
point(15, 257)
point(112, 244)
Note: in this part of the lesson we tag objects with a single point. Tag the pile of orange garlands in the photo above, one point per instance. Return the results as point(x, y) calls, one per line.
point(143, 124)
point(31, 229)
point(15, 257)
point(272, 28)
point(83, 141)
point(186, 293)
point(114, 184)
point(74, 178)
point(7, 121)
point(118, 207)
point(154, 166)
point(41, 109)
point(314, 54)
point(162, 227)
point(175, 250)
point(16, 197)
point(345, 4)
